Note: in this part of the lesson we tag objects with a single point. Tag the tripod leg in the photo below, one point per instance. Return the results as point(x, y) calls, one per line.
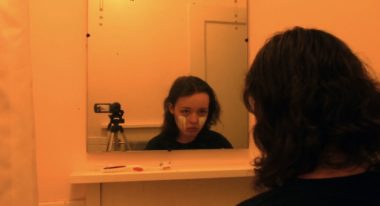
point(118, 144)
point(121, 139)
point(124, 139)
point(110, 141)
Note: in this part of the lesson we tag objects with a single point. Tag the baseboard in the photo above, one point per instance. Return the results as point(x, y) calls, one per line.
point(63, 203)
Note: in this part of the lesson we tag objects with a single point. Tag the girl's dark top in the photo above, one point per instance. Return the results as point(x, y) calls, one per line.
point(357, 190)
point(205, 140)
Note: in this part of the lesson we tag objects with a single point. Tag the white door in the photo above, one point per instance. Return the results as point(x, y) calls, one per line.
point(219, 55)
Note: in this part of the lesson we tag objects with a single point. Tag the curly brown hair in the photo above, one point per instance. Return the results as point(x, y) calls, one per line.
point(313, 99)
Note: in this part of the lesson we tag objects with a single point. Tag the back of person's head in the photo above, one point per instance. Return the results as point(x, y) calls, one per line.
point(315, 105)
point(186, 86)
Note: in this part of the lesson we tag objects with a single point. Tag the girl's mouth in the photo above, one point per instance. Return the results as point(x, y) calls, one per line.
point(192, 129)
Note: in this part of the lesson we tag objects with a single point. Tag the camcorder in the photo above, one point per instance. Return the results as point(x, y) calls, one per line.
point(116, 113)
point(107, 107)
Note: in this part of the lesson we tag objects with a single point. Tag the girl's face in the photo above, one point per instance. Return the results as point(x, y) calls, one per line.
point(190, 113)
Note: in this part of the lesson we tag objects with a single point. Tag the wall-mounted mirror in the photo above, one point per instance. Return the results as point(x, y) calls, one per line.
point(137, 48)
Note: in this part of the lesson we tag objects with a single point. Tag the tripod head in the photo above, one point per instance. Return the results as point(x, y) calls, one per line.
point(116, 116)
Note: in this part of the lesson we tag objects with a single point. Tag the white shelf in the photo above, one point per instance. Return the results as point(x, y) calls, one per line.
point(136, 125)
point(154, 174)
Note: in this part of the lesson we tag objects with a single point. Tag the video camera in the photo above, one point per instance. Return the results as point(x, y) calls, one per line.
point(116, 115)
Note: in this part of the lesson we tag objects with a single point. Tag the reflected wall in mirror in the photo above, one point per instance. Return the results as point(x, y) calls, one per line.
point(136, 49)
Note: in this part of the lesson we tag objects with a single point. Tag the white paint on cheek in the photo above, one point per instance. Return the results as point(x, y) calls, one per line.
point(181, 122)
point(201, 121)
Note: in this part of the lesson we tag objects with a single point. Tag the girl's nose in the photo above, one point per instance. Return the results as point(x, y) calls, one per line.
point(193, 118)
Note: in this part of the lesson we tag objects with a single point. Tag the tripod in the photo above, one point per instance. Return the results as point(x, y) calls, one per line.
point(117, 141)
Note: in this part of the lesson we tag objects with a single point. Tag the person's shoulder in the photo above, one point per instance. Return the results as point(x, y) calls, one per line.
point(156, 138)
point(350, 190)
point(370, 177)
point(284, 195)
point(156, 143)
point(375, 174)
point(218, 139)
point(214, 134)
point(263, 199)
point(253, 201)
point(249, 202)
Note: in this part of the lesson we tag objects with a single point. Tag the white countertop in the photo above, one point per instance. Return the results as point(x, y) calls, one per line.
point(151, 173)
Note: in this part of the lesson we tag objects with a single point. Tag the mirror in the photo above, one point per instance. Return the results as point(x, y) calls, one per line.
point(137, 48)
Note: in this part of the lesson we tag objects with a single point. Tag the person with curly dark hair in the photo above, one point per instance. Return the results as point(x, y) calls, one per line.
point(190, 109)
point(317, 114)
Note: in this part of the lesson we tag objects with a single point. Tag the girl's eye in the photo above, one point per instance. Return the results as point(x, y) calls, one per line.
point(202, 113)
point(185, 112)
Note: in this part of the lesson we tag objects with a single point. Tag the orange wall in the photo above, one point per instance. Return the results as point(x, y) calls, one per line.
point(355, 22)
point(59, 70)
